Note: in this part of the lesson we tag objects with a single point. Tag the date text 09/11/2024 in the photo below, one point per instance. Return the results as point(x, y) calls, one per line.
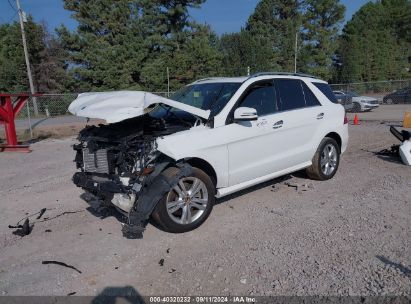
point(203, 299)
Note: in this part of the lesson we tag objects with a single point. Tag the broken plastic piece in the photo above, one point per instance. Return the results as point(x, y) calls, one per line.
point(42, 211)
point(61, 264)
point(22, 230)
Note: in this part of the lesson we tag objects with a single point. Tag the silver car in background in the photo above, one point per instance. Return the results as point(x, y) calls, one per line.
point(358, 102)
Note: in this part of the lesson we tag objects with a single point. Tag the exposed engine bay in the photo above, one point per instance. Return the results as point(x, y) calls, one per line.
point(118, 161)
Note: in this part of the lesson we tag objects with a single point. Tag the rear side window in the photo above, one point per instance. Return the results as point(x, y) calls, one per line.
point(326, 90)
point(291, 94)
point(310, 99)
point(261, 97)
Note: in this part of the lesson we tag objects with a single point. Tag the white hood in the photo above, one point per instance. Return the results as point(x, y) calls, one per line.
point(121, 105)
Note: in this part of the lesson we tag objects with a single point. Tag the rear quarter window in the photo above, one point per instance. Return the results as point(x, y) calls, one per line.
point(326, 90)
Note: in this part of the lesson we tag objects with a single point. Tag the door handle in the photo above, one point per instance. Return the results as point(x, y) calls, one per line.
point(278, 124)
point(320, 116)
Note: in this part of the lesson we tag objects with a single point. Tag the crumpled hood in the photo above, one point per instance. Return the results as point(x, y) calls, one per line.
point(121, 105)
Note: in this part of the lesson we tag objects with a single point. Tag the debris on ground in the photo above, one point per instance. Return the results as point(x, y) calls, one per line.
point(26, 228)
point(47, 230)
point(172, 270)
point(299, 187)
point(168, 250)
point(161, 262)
point(60, 264)
point(42, 211)
point(22, 230)
point(275, 188)
point(72, 293)
point(394, 151)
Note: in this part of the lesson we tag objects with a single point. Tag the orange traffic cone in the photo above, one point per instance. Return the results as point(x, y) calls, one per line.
point(356, 120)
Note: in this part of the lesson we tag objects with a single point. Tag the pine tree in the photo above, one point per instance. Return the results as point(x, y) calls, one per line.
point(322, 19)
point(375, 44)
point(242, 50)
point(276, 22)
point(13, 72)
point(128, 44)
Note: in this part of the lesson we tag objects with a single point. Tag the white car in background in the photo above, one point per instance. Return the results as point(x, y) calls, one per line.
point(360, 103)
point(168, 159)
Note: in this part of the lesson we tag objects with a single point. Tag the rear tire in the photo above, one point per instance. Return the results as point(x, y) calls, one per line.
point(185, 209)
point(325, 161)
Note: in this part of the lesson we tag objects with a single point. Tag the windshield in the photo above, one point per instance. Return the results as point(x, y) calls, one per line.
point(206, 96)
point(353, 93)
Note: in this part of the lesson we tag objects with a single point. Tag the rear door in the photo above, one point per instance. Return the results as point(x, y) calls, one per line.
point(302, 116)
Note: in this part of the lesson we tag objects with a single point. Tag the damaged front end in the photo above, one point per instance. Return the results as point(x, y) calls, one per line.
point(118, 162)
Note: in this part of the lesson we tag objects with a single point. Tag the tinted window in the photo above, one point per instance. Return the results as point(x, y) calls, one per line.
point(291, 94)
point(310, 99)
point(261, 97)
point(325, 89)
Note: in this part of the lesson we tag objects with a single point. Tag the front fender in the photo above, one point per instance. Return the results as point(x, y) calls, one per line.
point(197, 144)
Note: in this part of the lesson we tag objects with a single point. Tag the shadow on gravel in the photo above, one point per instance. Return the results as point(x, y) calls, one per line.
point(400, 267)
point(112, 295)
point(255, 188)
point(99, 209)
point(391, 159)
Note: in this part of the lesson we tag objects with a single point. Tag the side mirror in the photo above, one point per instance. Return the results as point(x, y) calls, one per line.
point(245, 114)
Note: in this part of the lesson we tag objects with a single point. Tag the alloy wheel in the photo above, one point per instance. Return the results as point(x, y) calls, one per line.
point(187, 201)
point(328, 160)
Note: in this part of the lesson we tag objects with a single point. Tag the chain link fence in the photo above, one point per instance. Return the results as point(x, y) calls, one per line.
point(51, 110)
point(55, 105)
point(388, 92)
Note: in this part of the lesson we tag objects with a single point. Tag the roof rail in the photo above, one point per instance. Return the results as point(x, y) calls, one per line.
point(280, 73)
point(205, 79)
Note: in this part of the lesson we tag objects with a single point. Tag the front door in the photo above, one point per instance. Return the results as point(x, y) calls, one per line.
point(251, 144)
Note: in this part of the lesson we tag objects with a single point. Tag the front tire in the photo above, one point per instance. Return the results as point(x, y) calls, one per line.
point(188, 204)
point(325, 161)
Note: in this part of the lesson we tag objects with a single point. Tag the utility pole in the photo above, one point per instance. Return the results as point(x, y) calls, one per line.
point(168, 82)
point(295, 52)
point(26, 55)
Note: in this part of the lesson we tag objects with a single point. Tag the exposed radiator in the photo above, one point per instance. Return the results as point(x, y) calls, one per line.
point(95, 162)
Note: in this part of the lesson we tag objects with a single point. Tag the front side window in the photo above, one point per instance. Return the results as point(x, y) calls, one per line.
point(261, 97)
point(291, 94)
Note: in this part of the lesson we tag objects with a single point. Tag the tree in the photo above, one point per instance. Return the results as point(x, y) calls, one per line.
point(242, 50)
point(276, 22)
point(375, 44)
point(322, 19)
point(45, 66)
point(128, 44)
point(196, 57)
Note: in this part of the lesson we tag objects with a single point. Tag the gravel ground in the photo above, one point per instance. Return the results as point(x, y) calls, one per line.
point(347, 236)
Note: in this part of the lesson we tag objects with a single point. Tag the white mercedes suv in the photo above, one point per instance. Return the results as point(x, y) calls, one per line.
point(168, 159)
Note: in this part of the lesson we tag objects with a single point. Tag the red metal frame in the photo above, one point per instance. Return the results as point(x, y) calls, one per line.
point(8, 112)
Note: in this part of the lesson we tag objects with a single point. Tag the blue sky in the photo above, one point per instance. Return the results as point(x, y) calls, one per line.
point(224, 16)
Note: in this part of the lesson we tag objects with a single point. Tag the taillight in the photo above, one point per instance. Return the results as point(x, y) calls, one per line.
point(345, 119)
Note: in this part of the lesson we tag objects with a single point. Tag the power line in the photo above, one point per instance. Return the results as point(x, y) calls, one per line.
point(11, 5)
